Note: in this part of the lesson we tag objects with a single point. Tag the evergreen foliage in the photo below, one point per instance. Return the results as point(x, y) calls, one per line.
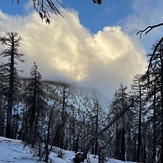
point(9, 75)
point(35, 108)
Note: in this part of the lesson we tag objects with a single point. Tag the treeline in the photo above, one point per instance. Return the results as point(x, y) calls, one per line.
point(46, 114)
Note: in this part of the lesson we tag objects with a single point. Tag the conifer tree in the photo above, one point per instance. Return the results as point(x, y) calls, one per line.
point(10, 74)
point(119, 103)
point(154, 78)
point(35, 103)
point(139, 89)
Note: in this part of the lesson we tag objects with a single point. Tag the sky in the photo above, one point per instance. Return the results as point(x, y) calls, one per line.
point(91, 45)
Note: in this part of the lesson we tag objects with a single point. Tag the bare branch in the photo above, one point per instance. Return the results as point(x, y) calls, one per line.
point(45, 7)
point(148, 29)
point(154, 52)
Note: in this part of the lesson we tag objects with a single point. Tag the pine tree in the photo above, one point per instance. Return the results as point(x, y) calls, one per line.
point(119, 103)
point(154, 79)
point(139, 89)
point(10, 74)
point(35, 103)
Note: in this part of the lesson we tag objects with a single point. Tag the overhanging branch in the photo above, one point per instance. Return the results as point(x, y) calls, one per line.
point(148, 29)
point(45, 7)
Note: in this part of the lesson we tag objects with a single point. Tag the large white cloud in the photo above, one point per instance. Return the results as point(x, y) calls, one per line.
point(66, 50)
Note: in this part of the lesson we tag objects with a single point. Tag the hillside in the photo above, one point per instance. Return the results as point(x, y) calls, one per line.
point(13, 151)
point(48, 114)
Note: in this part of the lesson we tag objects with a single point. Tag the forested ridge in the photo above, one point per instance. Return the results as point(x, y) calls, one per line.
point(47, 113)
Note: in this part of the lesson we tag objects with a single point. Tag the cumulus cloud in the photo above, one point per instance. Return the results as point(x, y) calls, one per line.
point(66, 50)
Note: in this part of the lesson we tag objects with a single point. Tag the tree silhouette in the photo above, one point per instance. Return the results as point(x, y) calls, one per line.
point(154, 77)
point(35, 108)
point(11, 41)
point(148, 29)
point(45, 7)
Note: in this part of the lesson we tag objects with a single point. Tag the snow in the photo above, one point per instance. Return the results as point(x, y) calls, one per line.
point(14, 151)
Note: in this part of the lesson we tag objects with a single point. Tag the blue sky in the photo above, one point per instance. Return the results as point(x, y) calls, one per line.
point(93, 45)
point(95, 17)
point(13, 8)
point(92, 16)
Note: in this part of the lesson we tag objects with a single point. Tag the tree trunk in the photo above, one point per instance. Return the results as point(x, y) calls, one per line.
point(97, 128)
point(117, 144)
point(139, 127)
point(10, 94)
point(62, 134)
point(1, 119)
point(123, 149)
point(154, 126)
point(47, 142)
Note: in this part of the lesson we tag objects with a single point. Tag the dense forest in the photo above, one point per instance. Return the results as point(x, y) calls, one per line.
point(47, 113)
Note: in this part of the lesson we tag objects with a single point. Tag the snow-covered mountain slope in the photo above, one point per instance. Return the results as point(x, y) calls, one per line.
point(13, 151)
point(76, 96)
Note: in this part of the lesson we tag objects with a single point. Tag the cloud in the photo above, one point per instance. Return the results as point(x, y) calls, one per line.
point(66, 50)
point(28, 5)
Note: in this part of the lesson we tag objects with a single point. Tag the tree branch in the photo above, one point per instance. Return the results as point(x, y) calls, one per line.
point(148, 29)
point(154, 52)
point(45, 7)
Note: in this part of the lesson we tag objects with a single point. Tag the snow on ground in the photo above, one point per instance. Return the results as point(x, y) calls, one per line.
point(13, 151)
